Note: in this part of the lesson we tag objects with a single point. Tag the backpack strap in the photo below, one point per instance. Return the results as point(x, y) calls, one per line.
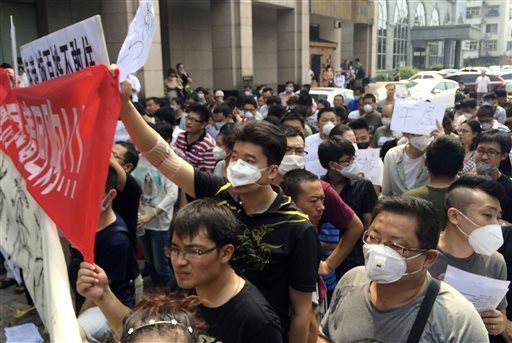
point(424, 312)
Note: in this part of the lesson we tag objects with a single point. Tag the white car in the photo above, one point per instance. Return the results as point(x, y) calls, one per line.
point(438, 91)
point(426, 75)
point(329, 93)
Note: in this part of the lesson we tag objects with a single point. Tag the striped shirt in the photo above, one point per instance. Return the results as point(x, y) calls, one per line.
point(199, 153)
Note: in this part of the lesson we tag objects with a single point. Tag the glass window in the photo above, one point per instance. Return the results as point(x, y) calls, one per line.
point(435, 17)
point(381, 34)
point(400, 34)
point(473, 45)
point(472, 12)
point(490, 45)
point(420, 18)
point(491, 28)
point(493, 11)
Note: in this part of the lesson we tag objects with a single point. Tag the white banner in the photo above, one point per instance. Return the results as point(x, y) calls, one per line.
point(31, 238)
point(416, 116)
point(65, 51)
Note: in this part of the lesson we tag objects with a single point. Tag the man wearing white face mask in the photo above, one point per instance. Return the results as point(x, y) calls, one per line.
point(371, 116)
point(381, 301)
point(287, 93)
point(472, 237)
point(404, 165)
point(326, 122)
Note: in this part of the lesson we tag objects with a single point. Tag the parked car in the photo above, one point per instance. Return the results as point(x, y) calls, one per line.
point(469, 79)
point(438, 91)
point(507, 76)
point(446, 72)
point(329, 93)
point(379, 90)
point(477, 69)
point(426, 75)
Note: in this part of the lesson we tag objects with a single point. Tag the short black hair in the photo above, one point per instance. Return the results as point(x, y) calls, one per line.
point(460, 192)
point(469, 103)
point(359, 89)
point(501, 92)
point(131, 156)
point(267, 89)
point(166, 114)
point(222, 108)
point(288, 82)
point(324, 102)
point(249, 100)
point(485, 111)
point(201, 110)
point(496, 136)
point(219, 223)
point(277, 111)
point(111, 181)
point(140, 108)
point(371, 97)
point(266, 135)
point(422, 211)
point(324, 110)
point(154, 99)
point(273, 120)
point(273, 100)
point(292, 131)
point(359, 124)
point(341, 113)
point(193, 96)
point(294, 115)
point(165, 131)
point(227, 131)
point(490, 95)
point(333, 149)
point(445, 156)
point(305, 100)
point(339, 130)
point(292, 182)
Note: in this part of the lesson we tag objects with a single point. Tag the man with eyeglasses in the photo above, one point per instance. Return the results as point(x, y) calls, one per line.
point(492, 159)
point(380, 301)
point(202, 248)
point(471, 238)
point(337, 155)
point(195, 145)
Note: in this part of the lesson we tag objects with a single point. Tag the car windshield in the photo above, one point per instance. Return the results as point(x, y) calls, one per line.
point(317, 97)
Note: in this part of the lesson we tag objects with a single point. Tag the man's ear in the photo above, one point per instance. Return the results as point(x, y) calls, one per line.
point(128, 167)
point(273, 171)
point(226, 253)
point(452, 215)
point(431, 257)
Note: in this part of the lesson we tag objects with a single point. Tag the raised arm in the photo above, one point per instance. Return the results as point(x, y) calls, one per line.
point(153, 147)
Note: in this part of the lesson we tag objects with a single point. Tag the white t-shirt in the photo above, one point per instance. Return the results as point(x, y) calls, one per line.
point(482, 84)
point(312, 163)
point(411, 170)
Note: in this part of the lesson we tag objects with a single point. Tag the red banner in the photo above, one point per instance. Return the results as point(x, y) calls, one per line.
point(59, 136)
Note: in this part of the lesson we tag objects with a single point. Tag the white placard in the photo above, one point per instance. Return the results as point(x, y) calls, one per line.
point(135, 50)
point(416, 116)
point(368, 162)
point(483, 292)
point(14, 52)
point(65, 51)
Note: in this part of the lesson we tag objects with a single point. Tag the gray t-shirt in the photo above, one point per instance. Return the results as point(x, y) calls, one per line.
point(493, 266)
point(353, 318)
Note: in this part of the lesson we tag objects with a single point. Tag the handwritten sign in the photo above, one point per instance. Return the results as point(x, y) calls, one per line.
point(416, 116)
point(135, 50)
point(65, 51)
point(368, 162)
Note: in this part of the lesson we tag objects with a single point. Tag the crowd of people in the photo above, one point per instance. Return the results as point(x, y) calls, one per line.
point(256, 223)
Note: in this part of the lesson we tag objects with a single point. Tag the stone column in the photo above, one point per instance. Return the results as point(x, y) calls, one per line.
point(458, 48)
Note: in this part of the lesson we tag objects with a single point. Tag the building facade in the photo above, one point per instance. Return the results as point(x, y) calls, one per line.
point(494, 20)
point(224, 44)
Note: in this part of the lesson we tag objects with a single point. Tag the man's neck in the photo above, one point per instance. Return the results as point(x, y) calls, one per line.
point(454, 243)
point(323, 137)
point(412, 152)
point(496, 175)
point(222, 289)
point(258, 201)
point(193, 136)
point(440, 181)
point(336, 179)
point(391, 296)
point(390, 99)
point(106, 218)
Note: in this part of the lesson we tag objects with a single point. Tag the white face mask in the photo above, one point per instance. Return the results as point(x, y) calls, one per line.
point(248, 93)
point(484, 240)
point(420, 142)
point(241, 173)
point(218, 153)
point(248, 115)
point(289, 89)
point(386, 121)
point(350, 171)
point(291, 162)
point(367, 108)
point(327, 128)
point(486, 126)
point(483, 168)
point(385, 265)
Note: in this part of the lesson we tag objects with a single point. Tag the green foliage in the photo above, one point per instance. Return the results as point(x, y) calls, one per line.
point(407, 71)
point(383, 76)
point(436, 67)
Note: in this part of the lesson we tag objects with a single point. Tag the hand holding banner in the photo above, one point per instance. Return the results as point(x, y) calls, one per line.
point(58, 135)
point(135, 50)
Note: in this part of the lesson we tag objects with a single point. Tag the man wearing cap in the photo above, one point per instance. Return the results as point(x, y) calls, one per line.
point(219, 97)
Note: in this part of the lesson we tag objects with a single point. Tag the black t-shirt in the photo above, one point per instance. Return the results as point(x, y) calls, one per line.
point(114, 252)
point(126, 204)
point(283, 240)
point(506, 201)
point(360, 196)
point(246, 318)
point(506, 251)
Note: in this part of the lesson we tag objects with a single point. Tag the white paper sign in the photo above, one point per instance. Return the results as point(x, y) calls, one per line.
point(416, 116)
point(65, 51)
point(135, 50)
point(14, 50)
point(483, 292)
point(368, 162)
